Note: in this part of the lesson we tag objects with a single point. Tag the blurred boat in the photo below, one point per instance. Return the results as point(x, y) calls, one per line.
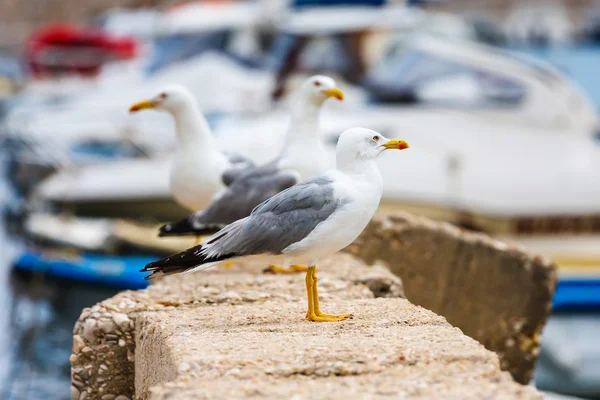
point(577, 294)
point(118, 271)
point(81, 233)
point(218, 50)
point(59, 123)
point(100, 235)
point(216, 58)
point(66, 49)
point(487, 126)
point(99, 251)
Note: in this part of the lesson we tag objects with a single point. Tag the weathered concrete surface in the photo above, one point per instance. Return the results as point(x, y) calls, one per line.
point(103, 359)
point(497, 294)
point(391, 349)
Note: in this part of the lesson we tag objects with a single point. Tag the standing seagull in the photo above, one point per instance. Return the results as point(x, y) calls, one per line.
point(302, 157)
point(200, 169)
point(304, 223)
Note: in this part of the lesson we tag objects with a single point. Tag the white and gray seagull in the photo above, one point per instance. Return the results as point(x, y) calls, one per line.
point(302, 224)
point(200, 169)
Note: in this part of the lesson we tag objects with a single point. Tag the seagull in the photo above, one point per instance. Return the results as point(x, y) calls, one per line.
point(302, 157)
point(302, 224)
point(200, 169)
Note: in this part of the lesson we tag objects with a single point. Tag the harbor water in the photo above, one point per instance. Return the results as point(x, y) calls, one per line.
point(37, 315)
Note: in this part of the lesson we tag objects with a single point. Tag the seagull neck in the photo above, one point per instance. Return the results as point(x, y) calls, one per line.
point(357, 167)
point(193, 131)
point(304, 132)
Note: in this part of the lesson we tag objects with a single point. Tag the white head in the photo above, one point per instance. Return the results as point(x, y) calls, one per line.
point(319, 88)
point(365, 144)
point(172, 98)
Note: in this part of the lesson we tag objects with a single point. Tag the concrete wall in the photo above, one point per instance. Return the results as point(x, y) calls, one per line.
point(498, 294)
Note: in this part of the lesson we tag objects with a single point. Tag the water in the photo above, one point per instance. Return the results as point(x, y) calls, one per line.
point(38, 334)
point(37, 315)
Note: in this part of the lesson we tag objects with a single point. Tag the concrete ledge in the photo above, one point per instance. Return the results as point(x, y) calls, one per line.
point(498, 294)
point(392, 348)
point(238, 333)
point(103, 359)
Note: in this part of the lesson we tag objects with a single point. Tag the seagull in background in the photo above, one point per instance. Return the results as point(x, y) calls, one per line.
point(302, 224)
point(200, 169)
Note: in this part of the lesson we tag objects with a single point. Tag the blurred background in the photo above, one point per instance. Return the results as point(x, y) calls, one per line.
point(498, 99)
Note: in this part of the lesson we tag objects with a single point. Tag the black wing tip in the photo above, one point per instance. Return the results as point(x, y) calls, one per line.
point(151, 266)
point(153, 274)
point(181, 228)
point(152, 269)
point(174, 228)
point(164, 230)
point(174, 264)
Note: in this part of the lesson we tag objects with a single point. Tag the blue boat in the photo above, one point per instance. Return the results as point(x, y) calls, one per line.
point(117, 271)
point(577, 294)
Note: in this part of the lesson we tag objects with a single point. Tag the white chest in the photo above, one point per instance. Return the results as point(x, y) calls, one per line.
point(359, 203)
point(195, 180)
point(353, 217)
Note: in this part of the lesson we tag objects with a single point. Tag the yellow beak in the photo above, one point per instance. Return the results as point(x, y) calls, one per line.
point(142, 105)
point(396, 144)
point(335, 92)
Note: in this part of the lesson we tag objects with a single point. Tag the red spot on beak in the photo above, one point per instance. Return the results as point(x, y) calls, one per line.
point(402, 146)
point(143, 105)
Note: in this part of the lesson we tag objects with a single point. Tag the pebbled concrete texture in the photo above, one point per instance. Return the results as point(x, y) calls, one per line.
point(391, 349)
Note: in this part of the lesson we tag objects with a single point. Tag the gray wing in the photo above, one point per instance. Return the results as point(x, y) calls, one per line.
point(239, 165)
point(235, 202)
point(238, 200)
point(282, 220)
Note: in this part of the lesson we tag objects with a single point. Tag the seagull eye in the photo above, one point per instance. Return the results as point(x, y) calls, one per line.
point(163, 96)
point(317, 83)
point(375, 138)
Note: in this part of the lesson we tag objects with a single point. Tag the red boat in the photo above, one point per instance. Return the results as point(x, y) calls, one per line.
point(67, 49)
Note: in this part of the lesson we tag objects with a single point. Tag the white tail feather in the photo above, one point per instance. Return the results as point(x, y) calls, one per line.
point(202, 267)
